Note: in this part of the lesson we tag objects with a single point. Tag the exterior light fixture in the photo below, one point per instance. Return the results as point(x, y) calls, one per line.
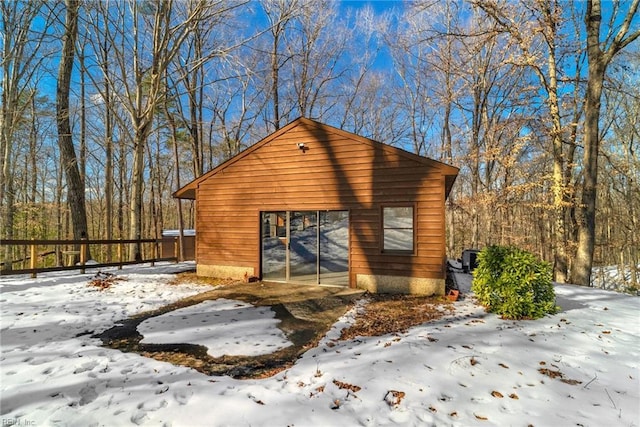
point(303, 147)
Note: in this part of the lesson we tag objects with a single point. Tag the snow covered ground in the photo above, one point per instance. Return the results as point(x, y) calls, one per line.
point(225, 327)
point(580, 367)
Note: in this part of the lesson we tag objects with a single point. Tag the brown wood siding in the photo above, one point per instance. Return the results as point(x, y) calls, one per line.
point(337, 172)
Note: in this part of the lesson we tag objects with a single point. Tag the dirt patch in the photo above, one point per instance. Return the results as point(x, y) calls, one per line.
point(305, 312)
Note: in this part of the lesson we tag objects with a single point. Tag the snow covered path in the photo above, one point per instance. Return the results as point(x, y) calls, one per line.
point(579, 367)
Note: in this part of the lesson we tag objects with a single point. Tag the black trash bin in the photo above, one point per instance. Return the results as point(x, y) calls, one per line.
point(469, 260)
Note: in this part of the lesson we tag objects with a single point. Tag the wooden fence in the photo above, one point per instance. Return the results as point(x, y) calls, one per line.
point(54, 254)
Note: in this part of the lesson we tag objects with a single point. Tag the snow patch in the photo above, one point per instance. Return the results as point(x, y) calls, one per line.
point(225, 327)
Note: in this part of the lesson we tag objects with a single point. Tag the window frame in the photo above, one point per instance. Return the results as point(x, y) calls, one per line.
point(413, 228)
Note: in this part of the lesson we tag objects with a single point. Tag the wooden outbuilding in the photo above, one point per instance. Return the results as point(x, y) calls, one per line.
point(314, 204)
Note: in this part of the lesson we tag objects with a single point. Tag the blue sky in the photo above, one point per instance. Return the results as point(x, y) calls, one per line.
point(377, 5)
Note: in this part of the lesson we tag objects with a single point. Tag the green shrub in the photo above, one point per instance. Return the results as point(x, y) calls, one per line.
point(513, 283)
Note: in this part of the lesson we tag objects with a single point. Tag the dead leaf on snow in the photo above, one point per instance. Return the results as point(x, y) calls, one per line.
point(514, 396)
point(318, 390)
point(394, 397)
point(347, 386)
point(480, 417)
point(497, 394)
point(557, 374)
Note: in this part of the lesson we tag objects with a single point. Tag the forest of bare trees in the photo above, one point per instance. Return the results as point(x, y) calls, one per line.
point(108, 107)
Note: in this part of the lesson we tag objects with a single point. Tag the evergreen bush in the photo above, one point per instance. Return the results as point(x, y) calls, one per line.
point(513, 283)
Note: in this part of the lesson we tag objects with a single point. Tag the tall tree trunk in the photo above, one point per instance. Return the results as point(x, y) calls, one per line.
point(559, 206)
point(137, 188)
point(34, 229)
point(176, 165)
point(275, 82)
point(83, 120)
point(7, 195)
point(75, 189)
point(122, 182)
point(108, 178)
point(598, 61)
point(59, 214)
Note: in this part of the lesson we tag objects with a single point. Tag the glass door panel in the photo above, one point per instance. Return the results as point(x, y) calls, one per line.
point(303, 248)
point(334, 248)
point(274, 246)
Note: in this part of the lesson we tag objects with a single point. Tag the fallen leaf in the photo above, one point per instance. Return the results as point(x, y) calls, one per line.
point(347, 386)
point(497, 394)
point(394, 397)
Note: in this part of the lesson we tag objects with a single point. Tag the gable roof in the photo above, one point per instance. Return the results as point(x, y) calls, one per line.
point(450, 172)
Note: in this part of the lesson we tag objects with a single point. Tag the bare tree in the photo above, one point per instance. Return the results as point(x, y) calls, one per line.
point(22, 55)
point(149, 36)
point(279, 13)
point(600, 53)
point(75, 184)
point(527, 33)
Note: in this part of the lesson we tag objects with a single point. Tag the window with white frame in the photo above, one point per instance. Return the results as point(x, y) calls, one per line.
point(398, 229)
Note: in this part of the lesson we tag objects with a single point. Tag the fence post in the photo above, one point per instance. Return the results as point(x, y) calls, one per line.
point(154, 253)
point(33, 260)
point(83, 254)
point(120, 254)
point(176, 249)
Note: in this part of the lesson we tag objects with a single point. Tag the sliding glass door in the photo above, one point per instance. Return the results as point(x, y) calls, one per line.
point(309, 247)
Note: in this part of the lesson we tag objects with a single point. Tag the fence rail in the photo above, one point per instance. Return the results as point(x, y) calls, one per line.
point(76, 252)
